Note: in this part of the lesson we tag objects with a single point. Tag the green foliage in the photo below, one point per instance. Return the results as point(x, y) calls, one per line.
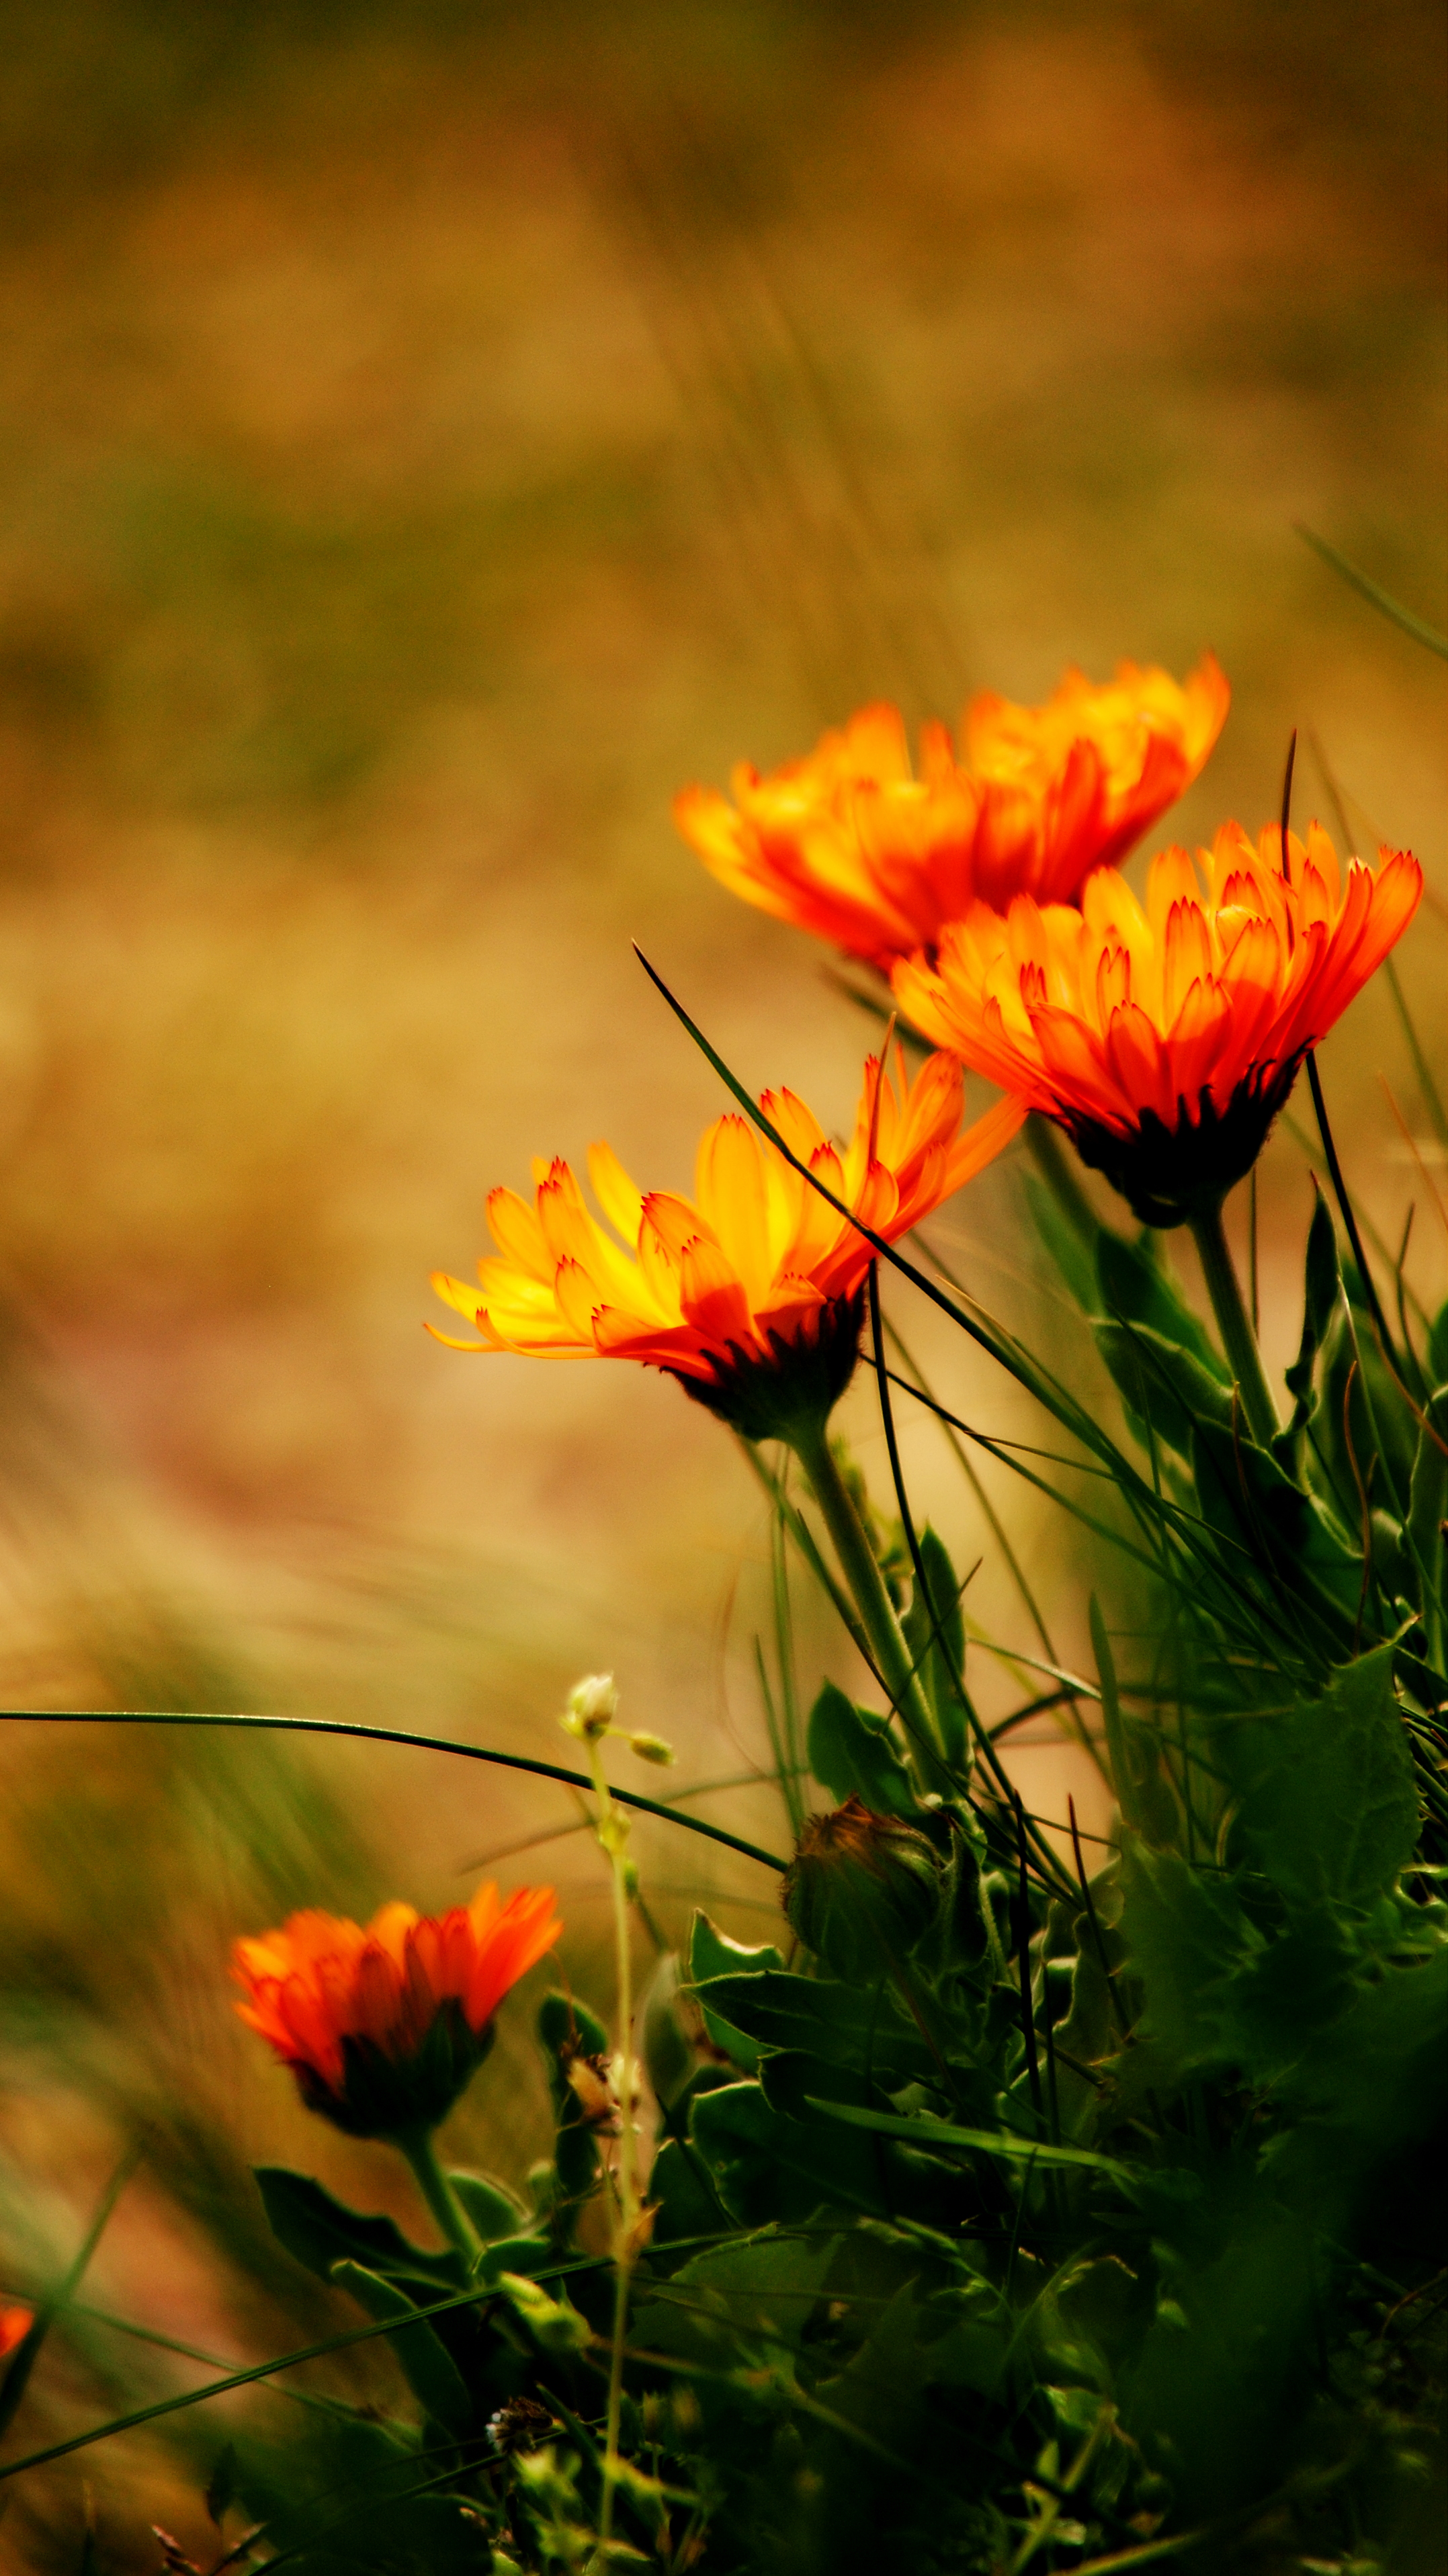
point(854, 1753)
point(1000, 2220)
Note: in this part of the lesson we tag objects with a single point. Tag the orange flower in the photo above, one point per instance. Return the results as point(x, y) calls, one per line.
point(382, 2027)
point(848, 844)
point(16, 2321)
point(1166, 1039)
point(750, 1293)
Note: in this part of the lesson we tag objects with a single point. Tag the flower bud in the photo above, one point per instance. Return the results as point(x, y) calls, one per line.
point(862, 1889)
point(651, 1748)
point(592, 1706)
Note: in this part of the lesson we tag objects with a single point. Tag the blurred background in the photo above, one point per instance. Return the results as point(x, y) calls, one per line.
point(430, 435)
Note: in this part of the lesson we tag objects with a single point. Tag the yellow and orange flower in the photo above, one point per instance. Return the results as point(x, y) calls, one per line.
point(16, 2321)
point(1165, 1038)
point(749, 1293)
point(850, 844)
point(383, 2024)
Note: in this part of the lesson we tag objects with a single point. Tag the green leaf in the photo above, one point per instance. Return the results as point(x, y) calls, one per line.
point(428, 2369)
point(516, 2254)
point(935, 1634)
point(1162, 1383)
point(221, 2486)
point(1321, 1282)
point(712, 1957)
point(854, 1754)
point(320, 2232)
point(843, 2025)
point(1328, 1810)
point(1377, 2079)
point(1137, 1289)
point(934, 2134)
point(713, 1954)
point(1438, 1348)
point(1246, 1496)
point(490, 2205)
point(1426, 1510)
point(1186, 1936)
point(768, 2168)
point(1071, 1255)
point(760, 2288)
point(685, 2206)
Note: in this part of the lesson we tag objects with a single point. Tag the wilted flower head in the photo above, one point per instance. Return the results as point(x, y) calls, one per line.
point(1165, 1038)
point(850, 844)
point(750, 1292)
point(383, 2025)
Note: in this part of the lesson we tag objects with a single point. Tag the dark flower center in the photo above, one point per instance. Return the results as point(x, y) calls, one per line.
point(1168, 1175)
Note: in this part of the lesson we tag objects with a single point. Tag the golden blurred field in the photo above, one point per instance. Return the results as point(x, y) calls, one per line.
point(428, 437)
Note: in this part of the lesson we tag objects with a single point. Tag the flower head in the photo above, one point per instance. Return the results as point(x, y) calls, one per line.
point(860, 1887)
point(749, 1293)
point(850, 844)
point(383, 2025)
point(16, 2321)
point(1165, 1038)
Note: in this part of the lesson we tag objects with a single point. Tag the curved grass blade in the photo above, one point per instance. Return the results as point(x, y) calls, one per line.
point(1374, 594)
point(391, 1735)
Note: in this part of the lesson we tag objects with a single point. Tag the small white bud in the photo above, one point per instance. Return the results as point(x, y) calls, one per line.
point(592, 1705)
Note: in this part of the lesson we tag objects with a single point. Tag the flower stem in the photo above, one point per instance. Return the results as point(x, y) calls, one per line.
point(612, 1830)
point(437, 2191)
point(1238, 1339)
point(867, 1586)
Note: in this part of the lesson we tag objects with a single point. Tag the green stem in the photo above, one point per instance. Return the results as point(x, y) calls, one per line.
point(1238, 1340)
point(867, 1586)
point(437, 2191)
point(612, 1831)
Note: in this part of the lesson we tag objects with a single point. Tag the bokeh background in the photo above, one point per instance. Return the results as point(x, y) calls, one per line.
point(429, 435)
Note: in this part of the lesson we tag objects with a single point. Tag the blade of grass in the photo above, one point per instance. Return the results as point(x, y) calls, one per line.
point(989, 2142)
point(387, 1735)
point(1374, 594)
point(27, 2352)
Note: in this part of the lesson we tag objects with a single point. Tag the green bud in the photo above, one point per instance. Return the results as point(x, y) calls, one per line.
point(651, 1748)
point(862, 1889)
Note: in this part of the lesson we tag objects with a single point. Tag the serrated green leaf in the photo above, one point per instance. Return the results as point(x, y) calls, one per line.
point(320, 2232)
point(1329, 1809)
point(843, 2025)
point(713, 1957)
point(428, 2368)
point(1186, 1935)
point(854, 1754)
point(768, 2168)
